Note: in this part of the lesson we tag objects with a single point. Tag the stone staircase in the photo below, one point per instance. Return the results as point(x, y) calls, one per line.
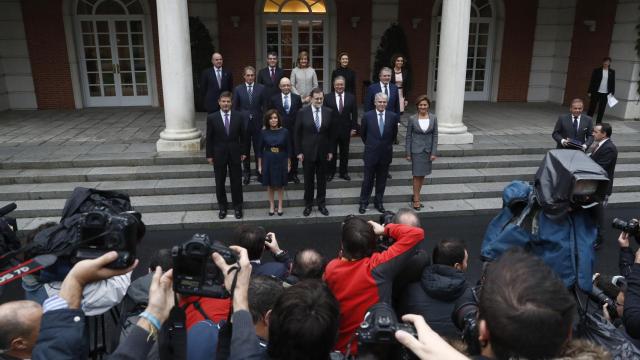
point(176, 191)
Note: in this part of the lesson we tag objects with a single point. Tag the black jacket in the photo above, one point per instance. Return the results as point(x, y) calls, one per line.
point(631, 315)
point(607, 156)
point(434, 297)
point(209, 89)
point(596, 78)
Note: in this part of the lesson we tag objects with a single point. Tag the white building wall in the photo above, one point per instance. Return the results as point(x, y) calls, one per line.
point(207, 11)
point(625, 60)
point(551, 50)
point(383, 14)
point(16, 81)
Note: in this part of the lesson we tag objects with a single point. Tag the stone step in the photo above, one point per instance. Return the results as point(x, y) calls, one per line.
point(294, 198)
point(199, 219)
point(205, 185)
point(132, 173)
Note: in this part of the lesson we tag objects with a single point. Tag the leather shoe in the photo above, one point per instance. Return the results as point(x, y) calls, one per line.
point(346, 177)
point(329, 178)
point(379, 207)
point(307, 211)
point(246, 180)
point(222, 214)
point(238, 214)
point(323, 210)
point(362, 209)
point(296, 180)
point(389, 176)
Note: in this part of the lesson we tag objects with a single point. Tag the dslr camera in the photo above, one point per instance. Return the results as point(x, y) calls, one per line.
point(100, 232)
point(631, 227)
point(383, 242)
point(465, 317)
point(376, 334)
point(195, 273)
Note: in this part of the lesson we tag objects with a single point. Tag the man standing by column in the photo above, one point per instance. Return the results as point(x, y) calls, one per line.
point(213, 82)
point(314, 141)
point(378, 130)
point(604, 153)
point(574, 130)
point(226, 139)
point(345, 114)
point(270, 76)
point(250, 98)
point(602, 83)
point(288, 104)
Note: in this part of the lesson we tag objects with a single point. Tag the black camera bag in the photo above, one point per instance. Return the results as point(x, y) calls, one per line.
point(84, 200)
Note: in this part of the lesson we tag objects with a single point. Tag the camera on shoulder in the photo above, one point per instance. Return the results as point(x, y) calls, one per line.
point(195, 273)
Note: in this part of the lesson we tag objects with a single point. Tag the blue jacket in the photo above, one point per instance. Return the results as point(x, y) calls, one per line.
point(378, 148)
point(393, 103)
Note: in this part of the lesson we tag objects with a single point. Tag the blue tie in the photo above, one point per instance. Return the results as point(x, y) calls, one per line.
point(317, 120)
point(286, 103)
point(250, 92)
point(381, 124)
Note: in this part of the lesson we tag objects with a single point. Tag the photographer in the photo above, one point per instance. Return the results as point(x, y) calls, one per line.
point(360, 277)
point(631, 314)
point(307, 264)
point(302, 325)
point(255, 240)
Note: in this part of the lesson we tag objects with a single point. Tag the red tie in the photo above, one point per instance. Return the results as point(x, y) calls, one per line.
point(273, 75)
point(340, 104)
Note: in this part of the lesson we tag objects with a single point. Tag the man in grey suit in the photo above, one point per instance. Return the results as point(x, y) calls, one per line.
point(574, 130)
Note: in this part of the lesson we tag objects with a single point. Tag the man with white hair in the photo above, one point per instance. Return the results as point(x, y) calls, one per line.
point(378, 130)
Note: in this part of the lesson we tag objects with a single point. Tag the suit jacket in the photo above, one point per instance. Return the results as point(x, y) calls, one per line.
point(564, 129)
point(378, 148)
point(596, 78)
point(225, 148)
point(264, 78)
point(393, 103)
point(606, 156)
point(209, 89)
point(295, 104)
point(308, 140)
point(253, 109)
point(418, 141)
point(348, 119)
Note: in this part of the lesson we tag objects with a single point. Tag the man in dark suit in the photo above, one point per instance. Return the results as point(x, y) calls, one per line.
point(288, 104)
point(213, 82)
point(574, 129)
point(226, 139)
point(314, 141)
point(250, 98)
point(345, 115)
point(378, 129)
point(270, 76)
point(602, 83)
point(385, 87)
point(605, 153)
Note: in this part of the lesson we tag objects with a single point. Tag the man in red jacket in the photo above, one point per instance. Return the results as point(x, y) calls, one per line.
point(360, 278)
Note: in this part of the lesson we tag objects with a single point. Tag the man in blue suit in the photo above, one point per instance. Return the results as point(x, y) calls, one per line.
point(213, 82)
point(251, 98)
point(383, 86)
point(378, 129)
point(287, 104)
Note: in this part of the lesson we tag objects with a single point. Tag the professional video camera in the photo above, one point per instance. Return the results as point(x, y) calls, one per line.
point(194, 272)
point(383, 242)
point(465, 317)
point(376, 334)
point(631, 227)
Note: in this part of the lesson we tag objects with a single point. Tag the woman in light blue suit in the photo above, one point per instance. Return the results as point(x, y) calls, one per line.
point(421, 145)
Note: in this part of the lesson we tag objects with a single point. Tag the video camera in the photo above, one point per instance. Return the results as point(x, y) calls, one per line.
point(631, 227)
point(465, 317)
point(195, 273)
point(376, 334)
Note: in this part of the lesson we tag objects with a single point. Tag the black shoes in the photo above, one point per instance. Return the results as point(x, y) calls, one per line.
point(295, 179)
point(346, 177)
point(379, 207)
point(389, 176)
point(222, 214)
point(280, 213)
point(323, 210)
point(362, 209)
point(307, 211)
point(238, 213)
point(246, 179)
point(330, 177)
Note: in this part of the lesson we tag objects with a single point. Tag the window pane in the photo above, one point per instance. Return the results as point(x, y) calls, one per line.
point(478, 86)
point(103, 40)
point(479, 74)
point(92, 65)
point(287, 51)
point(141, 90)
point(123, 52)
point(126, 78)
point(110, 7)
point(90, 53)
point(141, 78)
point(483, 40)
point(102, 26)
point(135, 8)
point(94, 91)
point(137, 39)
point(317, 38)
point(88, 40)
point(87, 26)
point(122, 39)
point(125, 64)
point(108, 78)
point(127, 90)
point(138, 52)
point(136, 26)
point(121, 26)
point(109, 91)
point(106, 66)
point(303, 38)
point(295, 6)
point(480, 63)
point(484, 28)
point(105, 53)
point(467, 86)
point(93, 78)
point(469, 74)
point(317, 50)
point(272, 38)
point(139, 65)
point(481, 51)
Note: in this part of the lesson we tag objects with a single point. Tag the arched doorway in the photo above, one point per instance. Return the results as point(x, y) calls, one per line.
point(113, 50)
point(482, 34)
point(290, 26)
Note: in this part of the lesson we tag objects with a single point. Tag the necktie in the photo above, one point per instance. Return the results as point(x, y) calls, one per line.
point(381, 124)
point(226, 122)
point(575, 125)
point(273, 75)
point(250, 92)
point(316, 120)
point(340, 104)
point(286, 103)
point(386, 92)
point(219, 77)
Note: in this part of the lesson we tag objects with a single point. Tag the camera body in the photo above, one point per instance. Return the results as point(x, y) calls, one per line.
point(631, 227)
point(195, 273)
point(376, 333)
point(385, 241)
point(100, 232)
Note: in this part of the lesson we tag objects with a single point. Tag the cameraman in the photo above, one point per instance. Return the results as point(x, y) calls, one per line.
point(360, 277)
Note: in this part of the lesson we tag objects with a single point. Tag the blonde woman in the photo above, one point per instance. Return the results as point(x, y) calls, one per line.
point(303, 78)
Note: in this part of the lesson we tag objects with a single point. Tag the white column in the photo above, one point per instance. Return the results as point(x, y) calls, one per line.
point(452, 67)
point(180, 133)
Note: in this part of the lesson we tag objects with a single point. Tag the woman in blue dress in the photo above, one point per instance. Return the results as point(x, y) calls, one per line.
point(274, 158)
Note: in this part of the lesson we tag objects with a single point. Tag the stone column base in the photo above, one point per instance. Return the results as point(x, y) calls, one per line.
point(455, 139)
point(191, 145)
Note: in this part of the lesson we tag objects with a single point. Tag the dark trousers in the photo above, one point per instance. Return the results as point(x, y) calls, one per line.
point(342, 146)
point(597, 100)
point(374, 172)
point(598, 217)
point(235, 177)
point(254, 134)
point(315, 170)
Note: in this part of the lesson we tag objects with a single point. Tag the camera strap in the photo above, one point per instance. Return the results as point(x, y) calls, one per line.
point(28, 267)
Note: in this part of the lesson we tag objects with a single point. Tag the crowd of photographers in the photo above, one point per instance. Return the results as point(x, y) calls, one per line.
point(382, 297)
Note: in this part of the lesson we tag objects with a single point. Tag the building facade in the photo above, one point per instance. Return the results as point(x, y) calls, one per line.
point(65, 54)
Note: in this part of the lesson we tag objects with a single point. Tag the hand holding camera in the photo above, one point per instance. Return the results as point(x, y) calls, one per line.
point(238, 273)
point(428, 345)
point(271, 243)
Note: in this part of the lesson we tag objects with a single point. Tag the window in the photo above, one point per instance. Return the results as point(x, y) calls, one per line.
point(295, 6)
point(111, 7)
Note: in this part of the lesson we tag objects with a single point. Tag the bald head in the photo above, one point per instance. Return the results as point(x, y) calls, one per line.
point(285, 85)
point(19, 327)
point(308, 264)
